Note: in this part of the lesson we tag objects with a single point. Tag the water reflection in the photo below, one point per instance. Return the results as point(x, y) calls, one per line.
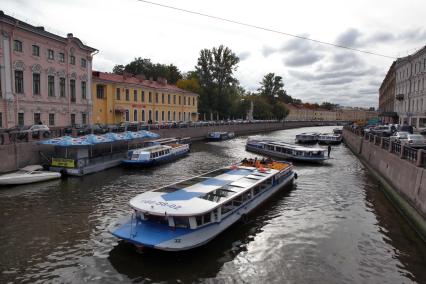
point(333, 226)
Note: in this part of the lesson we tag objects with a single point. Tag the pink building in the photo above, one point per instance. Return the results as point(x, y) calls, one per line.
point(44, 77)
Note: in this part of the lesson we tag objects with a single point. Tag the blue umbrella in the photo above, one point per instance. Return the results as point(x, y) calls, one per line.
point(65, 141)
point(95, 139)
point(115, 137)
point(133, 135)
point(149, 134)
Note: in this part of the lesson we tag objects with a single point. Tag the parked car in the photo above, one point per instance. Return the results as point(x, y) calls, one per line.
point(406, 128)
point(100, 128)
point(414, 140)
point(399, 136)
point(383, 130)
point(80, 130)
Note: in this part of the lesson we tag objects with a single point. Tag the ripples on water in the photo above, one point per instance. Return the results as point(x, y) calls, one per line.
point(333, 225)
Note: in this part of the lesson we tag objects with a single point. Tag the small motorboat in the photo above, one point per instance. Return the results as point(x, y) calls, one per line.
point(28, 174)
point(219, 136)
point(337, 130)
point(154, 155)
point(329, 139)
point(307, 138)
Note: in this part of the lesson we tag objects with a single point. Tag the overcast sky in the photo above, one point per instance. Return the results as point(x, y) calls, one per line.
point(124, 29)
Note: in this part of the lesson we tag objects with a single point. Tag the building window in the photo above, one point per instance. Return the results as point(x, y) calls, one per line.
point(1, 120)
point(72, 90)
point(51, 86)
point(72, 60)
point(174, 116)
point(156, 115)
point(180, 117)
point(117, 94)
point(162, 115)
point(83, 90)
point(168, 98)
point(135, 115)
point(193, 101)
point(184, 100)
point(162, 98)
point(17, 46)
point(21, 119)
point(135, 95)
point(127, 95)
point(83, 63)
point(36, 50)
point(72, 118)
point(180, 100)
point(100, 92)
point(84, 118)
point(127, 115)
point(62, 87)
point(143, 96)
point(156, 98)
point(36, 84)
point(51, 119)
point(37, 118)
point(143, 115)
point(174, 99)
point(150, 115)
point(150, 97)
point(19, 82)
point(184, 116)
point(61, 57)
point(168, 115)
point(50, 54)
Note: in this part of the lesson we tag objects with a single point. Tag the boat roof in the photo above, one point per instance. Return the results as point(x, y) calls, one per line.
point(330, 134)
point(32, 168)
point(151, 149)
point(288, 145)
point(309, 133)
point(200, 194)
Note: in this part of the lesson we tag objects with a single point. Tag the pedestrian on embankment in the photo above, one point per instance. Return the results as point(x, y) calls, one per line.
point(329, 150)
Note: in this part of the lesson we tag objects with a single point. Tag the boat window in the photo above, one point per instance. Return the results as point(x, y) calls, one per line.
point(237, 201)
point(227, 207)
point(157, 219)
point(181, 222)
point(199, 220)
point(207, 218)
point(256, 190)
point(218, 194)
point(246, 195)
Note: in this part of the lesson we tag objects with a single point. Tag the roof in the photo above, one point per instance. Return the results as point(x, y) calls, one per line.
point(122, 79)
point(42, 32)
point(196, 196)
point(286, 145)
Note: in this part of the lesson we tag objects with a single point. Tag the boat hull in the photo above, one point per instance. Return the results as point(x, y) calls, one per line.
point(284, 156)
point(27, 180)
point(162, 237)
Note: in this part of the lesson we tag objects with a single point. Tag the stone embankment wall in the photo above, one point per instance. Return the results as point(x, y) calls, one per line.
point(18, 155)
point(404, 182)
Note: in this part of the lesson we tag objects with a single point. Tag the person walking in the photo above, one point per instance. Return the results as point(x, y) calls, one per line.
point(329, 150)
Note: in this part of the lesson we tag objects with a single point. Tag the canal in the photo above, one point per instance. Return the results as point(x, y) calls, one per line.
point(334, 225)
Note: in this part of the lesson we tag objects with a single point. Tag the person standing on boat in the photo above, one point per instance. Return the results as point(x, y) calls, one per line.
point(329, 150)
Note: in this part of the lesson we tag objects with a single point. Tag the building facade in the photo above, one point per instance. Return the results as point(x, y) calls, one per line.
point(387, 112)
point(410, 103)
point(127, 98)
point(44, 78)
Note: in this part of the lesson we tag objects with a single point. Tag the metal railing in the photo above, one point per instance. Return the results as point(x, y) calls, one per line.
point(385, 143)
point(410, 154)
point(395, 148)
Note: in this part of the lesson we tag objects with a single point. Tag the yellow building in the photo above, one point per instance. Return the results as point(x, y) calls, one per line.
point(127, 98)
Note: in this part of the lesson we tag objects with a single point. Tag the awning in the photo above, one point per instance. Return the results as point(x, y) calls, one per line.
point(388, 114)
point(119, 109)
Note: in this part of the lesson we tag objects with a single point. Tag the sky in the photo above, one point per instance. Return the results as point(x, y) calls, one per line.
point(124, 29)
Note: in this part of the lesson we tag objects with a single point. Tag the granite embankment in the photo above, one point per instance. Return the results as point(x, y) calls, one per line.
point(18, 155)
point(403, 176)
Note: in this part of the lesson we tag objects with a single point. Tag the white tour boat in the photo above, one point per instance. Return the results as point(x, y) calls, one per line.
point(190, 213)
point(329, 138)
point(28, 174)
point(307, 137)
point(157, 154)
point(219, 136)
point(285, 150)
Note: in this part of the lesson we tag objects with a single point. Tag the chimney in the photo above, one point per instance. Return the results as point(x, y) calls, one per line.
point(95, 73)
point(40, 28)
point(140, 77)
point(70, 35)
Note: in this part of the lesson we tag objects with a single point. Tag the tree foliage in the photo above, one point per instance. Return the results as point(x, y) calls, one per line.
point(145, 67)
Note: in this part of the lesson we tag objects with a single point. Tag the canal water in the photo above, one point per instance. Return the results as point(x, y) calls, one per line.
point(334, 225)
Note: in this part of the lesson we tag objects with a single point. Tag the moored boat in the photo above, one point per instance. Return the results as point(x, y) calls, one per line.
point(285, 150)
point(190, 213)
point(337, 130)
point(219, 136)
point(154, 155)
point(28, 174)
point(329, 139)
point(307, 137)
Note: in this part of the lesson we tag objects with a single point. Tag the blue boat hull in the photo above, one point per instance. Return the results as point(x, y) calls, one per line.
point(154, 162)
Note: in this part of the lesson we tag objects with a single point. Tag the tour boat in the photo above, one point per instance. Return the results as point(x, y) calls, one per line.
point(28, 174)
point(307, 138)
point(337, 130)
point(167, 141)
point(285, 150)
point(329, 138)
point(192, 212)
point(154, 155)
point(219, 136)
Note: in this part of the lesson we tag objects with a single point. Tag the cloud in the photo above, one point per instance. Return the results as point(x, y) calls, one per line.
point(337, 81)
point(267, 50)
point(349, 38)
point(244, 55)
point(302, 59)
